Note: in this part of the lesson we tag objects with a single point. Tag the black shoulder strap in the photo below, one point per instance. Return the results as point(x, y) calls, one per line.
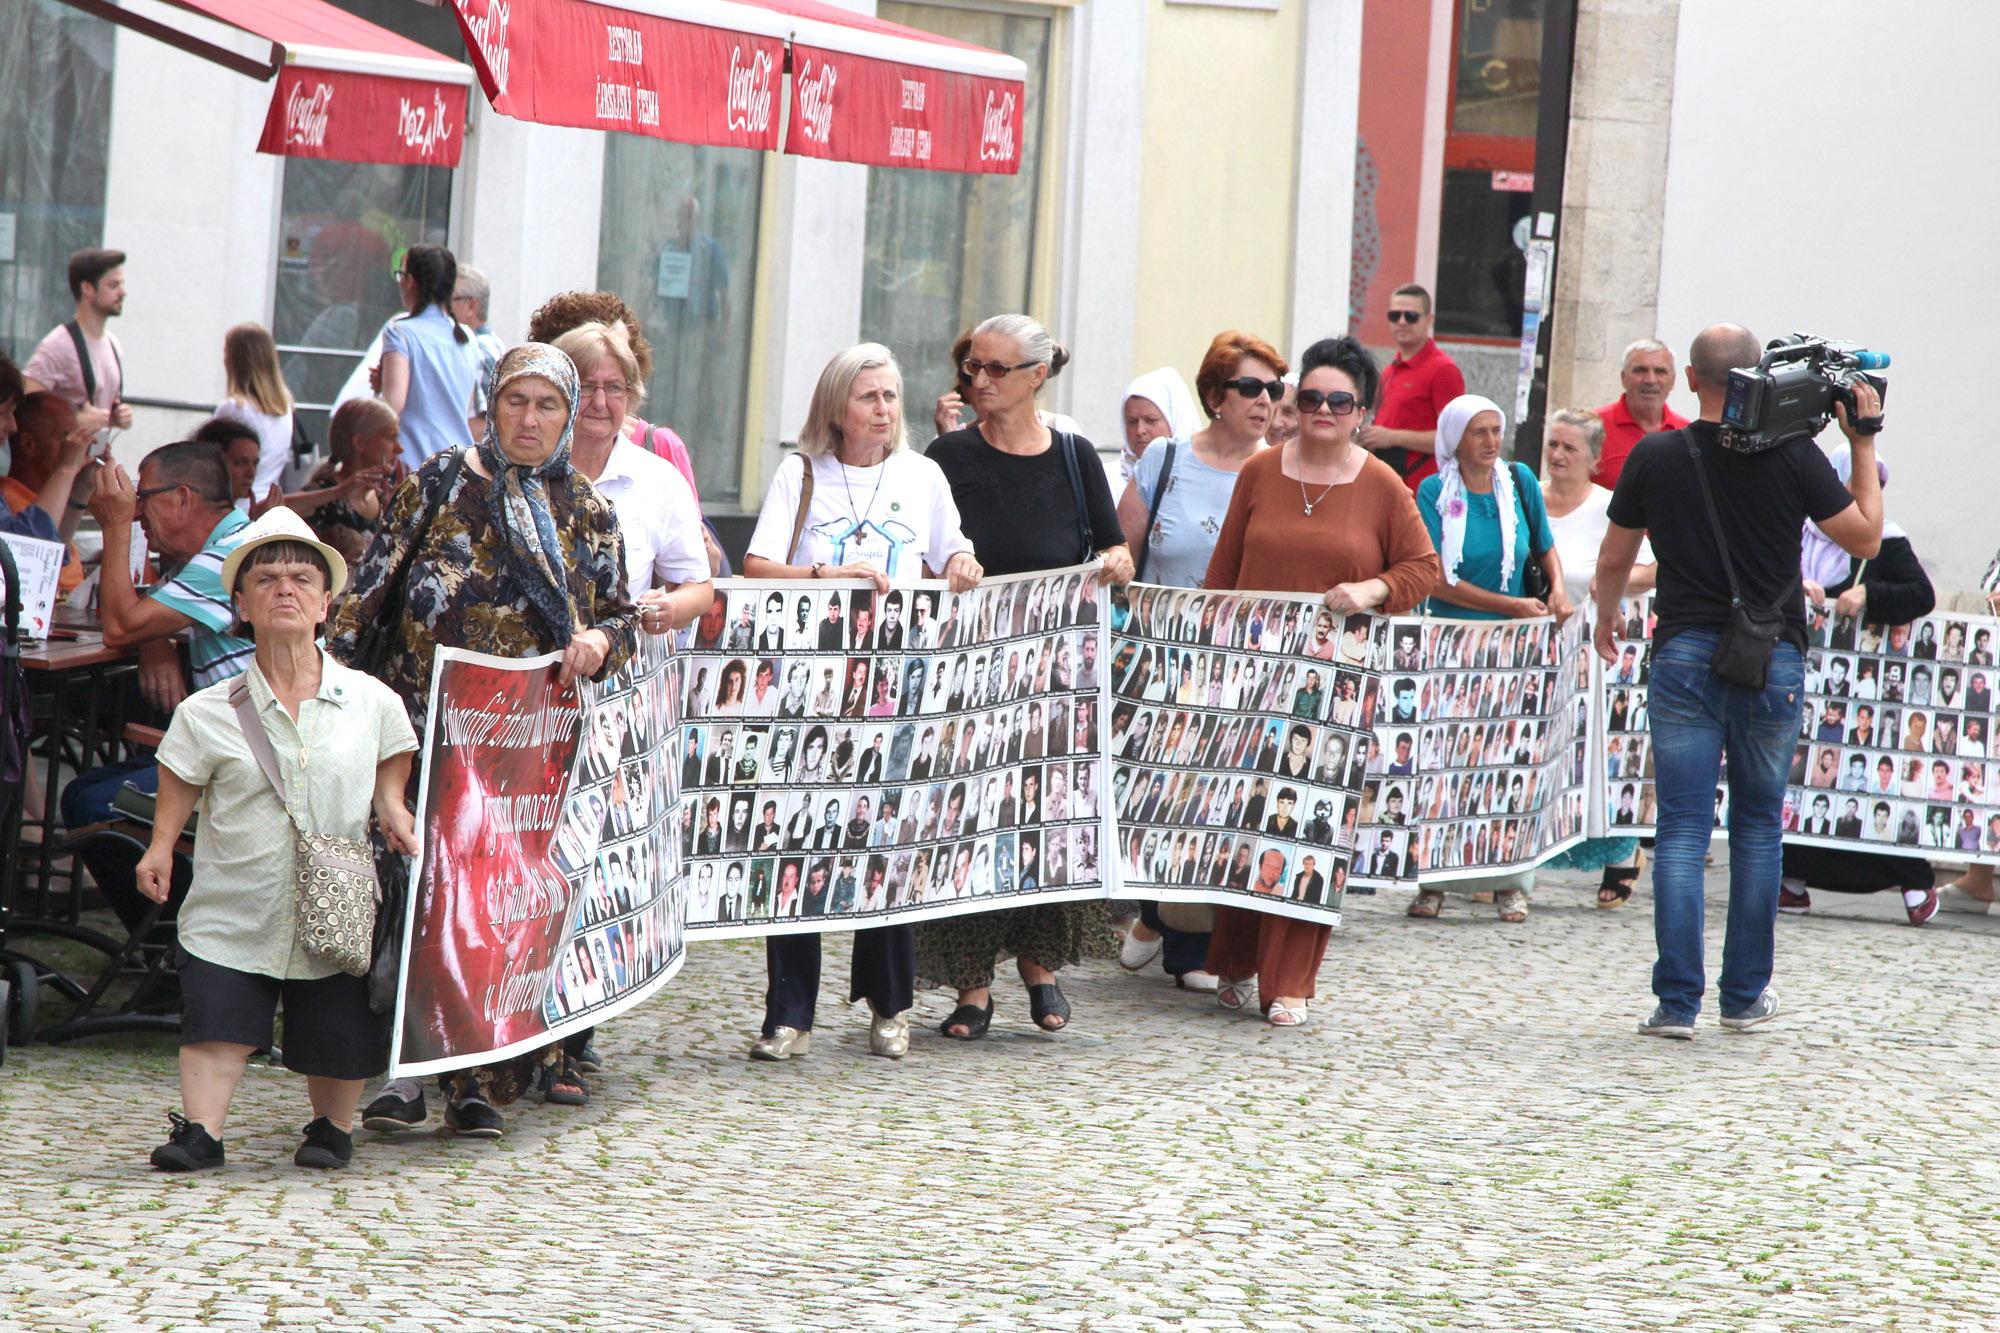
point(9, 647)
point(1153, 510)
point(83, 360)
point(1714, 520)
point(1085, 547)
point(450, 478)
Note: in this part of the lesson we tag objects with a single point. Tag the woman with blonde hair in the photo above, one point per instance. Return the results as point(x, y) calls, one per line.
point(258, 398)
point(854, 503)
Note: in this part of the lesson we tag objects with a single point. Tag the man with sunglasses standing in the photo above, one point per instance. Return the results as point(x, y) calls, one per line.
point(1415, 388)
point(183, 503)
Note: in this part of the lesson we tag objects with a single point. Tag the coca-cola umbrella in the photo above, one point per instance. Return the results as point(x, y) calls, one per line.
point(715, 72)
point(345, 88)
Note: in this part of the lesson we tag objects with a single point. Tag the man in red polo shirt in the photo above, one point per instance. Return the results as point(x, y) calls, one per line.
point(1648, 376)
point(1415, 388)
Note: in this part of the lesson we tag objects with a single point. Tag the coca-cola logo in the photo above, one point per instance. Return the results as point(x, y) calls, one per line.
point(816, 102)
point(489, 32)
point(306, 111)
point(424, 127)
point(996, 129)
point(750, 84)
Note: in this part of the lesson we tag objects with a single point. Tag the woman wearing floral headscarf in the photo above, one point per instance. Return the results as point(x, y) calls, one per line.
point(524, 557)
point(1488, 522)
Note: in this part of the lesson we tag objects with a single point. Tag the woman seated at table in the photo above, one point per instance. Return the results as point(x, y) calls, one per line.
point(239, 928)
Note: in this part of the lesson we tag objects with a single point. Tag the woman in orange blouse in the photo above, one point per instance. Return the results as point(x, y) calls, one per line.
point(1319, 514)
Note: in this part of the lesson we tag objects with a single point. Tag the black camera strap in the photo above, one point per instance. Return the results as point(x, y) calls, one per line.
point(1714, 519)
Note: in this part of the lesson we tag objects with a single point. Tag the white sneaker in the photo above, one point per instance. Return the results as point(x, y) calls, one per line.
point(1206, 982)
point(1134, 953)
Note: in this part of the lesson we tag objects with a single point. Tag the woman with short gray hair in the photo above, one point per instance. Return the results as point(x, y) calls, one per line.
point(854, 503)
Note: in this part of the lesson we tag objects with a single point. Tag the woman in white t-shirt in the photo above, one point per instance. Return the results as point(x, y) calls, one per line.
point(259, 399)
point(877, 512)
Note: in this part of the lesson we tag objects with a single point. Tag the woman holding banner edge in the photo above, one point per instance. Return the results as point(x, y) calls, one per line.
point(864, 480)
point(1176, 500)
point(1317, 515)
point(1488, 520)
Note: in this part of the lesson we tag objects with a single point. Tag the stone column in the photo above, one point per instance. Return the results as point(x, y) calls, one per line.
point(1608, 271)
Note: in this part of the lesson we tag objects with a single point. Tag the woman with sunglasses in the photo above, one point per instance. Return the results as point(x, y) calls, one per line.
point(1317, 515)
point(1017, 500)
point(1171, 517)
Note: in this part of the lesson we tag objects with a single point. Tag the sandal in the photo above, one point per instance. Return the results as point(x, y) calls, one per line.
point(1616, 887)
point(1428, 904)
point(1513, 905)
point(1236, 992)
point(1047, 1001)
point(567, 1088)
point(973, 1019)
point(1287, 1016)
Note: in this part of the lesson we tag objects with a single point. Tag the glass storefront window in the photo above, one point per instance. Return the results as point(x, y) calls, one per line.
point(1481, 266)
point(1498, 71)
point(55, 65)
point(678, 241)
point(342, 227)
point(944, 249)
point(1489, 160)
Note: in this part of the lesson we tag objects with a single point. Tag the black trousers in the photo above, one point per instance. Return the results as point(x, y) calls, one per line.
point(884, 974)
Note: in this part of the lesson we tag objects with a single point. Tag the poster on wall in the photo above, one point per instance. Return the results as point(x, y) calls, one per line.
point(1239, 730)
point(854, 756)
point(548, 895)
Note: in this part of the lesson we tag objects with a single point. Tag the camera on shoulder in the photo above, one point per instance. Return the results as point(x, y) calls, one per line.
point(1791, 392)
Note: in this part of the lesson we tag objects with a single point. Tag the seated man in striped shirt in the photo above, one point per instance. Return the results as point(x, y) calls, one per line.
point(183, 503)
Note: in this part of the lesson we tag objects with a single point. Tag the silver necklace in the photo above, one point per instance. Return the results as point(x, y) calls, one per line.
point(861, 516)
point(1322, 495)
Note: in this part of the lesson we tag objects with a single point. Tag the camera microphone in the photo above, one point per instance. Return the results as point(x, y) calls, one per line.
point(1870, 360)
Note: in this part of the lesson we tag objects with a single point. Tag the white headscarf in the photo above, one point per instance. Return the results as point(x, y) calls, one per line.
point(1457, 415)
point(1821, 560)
point(1165, 389)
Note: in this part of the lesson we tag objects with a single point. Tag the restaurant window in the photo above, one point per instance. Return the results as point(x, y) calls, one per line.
point(946, 249)
point(678, 241)
point(342, 229)
point(55, 65)
point(1489, 167)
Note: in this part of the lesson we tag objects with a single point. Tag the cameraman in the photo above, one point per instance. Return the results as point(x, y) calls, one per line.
point(1762, 501)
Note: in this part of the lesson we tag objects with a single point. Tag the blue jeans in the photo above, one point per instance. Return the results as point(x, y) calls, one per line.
point(1696, 719)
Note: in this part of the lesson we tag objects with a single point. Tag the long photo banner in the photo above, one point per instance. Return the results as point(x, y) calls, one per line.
point(852, 757)
point(548, 897)
point(826, 756)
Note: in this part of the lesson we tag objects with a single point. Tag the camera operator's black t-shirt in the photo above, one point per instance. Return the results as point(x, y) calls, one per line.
point(1763, 501)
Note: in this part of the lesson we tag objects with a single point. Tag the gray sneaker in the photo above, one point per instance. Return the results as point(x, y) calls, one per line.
point(1763, 1011)
point(1664, 1024)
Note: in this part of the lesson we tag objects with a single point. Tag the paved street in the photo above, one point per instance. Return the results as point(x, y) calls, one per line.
point(1470, 1135)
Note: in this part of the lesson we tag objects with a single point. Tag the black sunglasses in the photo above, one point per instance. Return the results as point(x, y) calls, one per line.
point(1405, 316)
point(996, 370)
point(1339, 402)
point(1250, 386)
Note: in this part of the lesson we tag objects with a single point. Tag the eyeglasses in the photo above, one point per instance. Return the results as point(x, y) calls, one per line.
point(1339, 402)
point(1250, 387)
point(146, 493)
point(1405, 316)
point(996, 370)
point(614, 391)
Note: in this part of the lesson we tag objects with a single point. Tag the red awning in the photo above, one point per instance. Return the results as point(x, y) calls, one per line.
point(864, 90)
point(693, 71)
point(346, 89)
point(712, 71)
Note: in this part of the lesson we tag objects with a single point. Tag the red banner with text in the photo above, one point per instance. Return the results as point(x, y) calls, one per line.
point(349, 117)
point(856, 109)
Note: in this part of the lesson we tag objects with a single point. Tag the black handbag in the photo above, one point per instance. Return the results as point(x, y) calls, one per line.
point(16, 720)
point(1743, 658)
point(1534, 579)
point(380, 638)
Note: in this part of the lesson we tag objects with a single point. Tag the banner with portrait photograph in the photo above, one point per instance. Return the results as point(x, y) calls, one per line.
point(548, 895)
point(1896, 752)
point(1624, 802)
point(1239, 728)
point(853, 757)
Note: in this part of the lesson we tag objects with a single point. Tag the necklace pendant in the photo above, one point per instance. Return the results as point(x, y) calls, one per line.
point(1309, 511)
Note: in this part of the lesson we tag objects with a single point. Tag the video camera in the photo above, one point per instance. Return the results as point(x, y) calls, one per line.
point(1791, 392)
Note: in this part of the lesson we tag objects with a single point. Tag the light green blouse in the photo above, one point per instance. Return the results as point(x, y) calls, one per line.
point(241, 910)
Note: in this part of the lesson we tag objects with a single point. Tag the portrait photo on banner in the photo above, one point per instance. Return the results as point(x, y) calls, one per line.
point(852, 755)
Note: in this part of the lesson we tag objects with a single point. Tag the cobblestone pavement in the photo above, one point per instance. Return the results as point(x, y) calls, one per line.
point(1470, 1135)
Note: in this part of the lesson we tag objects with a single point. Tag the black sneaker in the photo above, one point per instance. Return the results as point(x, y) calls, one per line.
point(327, 1147)
point(390, 1112)
point(474, 1118)
point(588, 1060)
point(190, 1147)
